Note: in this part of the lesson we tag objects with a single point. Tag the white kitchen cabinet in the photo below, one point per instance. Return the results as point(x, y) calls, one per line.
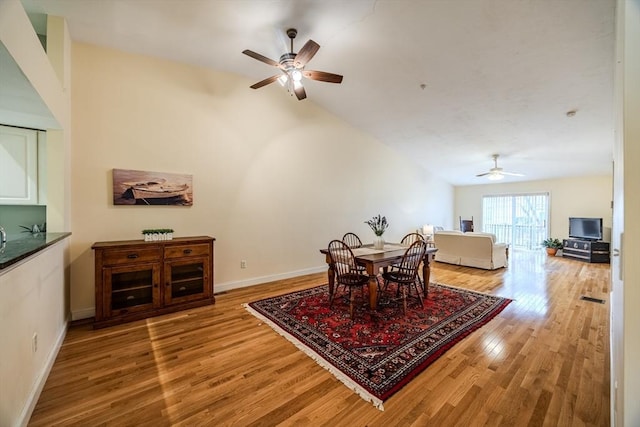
point(19, 166)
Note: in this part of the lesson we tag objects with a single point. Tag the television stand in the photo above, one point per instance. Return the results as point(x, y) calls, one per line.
point(586, 250)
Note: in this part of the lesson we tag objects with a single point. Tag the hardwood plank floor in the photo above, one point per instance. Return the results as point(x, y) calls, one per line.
point(543, 361)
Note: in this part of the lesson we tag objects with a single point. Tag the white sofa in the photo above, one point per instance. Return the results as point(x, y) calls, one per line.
point(470, 249)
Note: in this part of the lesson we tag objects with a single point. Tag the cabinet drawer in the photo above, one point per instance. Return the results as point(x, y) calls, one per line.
point(180, 251)
point(128, 256)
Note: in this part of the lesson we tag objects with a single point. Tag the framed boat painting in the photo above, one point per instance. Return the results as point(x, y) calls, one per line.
point(131, 187)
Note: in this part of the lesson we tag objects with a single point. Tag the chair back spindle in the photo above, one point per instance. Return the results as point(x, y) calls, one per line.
point(352, 240)
point(410, 238)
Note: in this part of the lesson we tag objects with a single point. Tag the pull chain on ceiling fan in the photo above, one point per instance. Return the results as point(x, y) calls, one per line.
point(496, 173)
point(292, 69)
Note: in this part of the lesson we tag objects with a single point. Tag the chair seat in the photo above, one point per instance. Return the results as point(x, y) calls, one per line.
point(398, 276)
point(353, 279)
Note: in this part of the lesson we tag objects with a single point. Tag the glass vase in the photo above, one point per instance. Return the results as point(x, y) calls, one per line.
point(378, 242)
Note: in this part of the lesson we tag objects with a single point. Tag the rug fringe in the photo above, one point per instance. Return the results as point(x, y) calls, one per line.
point(360, 391)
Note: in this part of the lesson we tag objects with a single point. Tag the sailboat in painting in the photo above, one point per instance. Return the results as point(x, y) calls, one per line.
point(156, 189)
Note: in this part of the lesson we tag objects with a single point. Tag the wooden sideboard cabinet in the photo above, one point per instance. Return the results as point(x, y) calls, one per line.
point(137, 279)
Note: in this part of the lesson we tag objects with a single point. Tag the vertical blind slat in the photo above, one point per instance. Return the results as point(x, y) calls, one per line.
point(517, 219)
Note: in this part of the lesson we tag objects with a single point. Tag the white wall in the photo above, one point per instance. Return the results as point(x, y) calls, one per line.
point(275, 179)
point(588, 196)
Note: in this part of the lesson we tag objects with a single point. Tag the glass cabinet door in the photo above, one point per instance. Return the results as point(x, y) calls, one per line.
point(132, 288)
point(186, 280)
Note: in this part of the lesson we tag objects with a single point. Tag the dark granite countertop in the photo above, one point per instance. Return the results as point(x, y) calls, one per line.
point(18, 249)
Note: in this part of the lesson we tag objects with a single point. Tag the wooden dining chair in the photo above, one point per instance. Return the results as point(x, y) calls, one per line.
point(352, 240)
point(466, 224)
point(405, 273)
point(410, 238)
point(347, 274)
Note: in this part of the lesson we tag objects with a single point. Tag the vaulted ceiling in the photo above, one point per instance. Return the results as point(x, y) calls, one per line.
point(446, 82)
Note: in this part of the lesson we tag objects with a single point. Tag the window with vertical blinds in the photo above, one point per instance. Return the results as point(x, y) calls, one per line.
point(518, 219)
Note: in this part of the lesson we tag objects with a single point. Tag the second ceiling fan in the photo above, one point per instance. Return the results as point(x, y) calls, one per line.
point(496, 173)
point(291, 67)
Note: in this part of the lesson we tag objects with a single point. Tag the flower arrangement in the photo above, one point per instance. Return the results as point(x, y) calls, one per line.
point(378, 224)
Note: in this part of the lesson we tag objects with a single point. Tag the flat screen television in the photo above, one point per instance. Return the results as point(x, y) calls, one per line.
point(585, 228)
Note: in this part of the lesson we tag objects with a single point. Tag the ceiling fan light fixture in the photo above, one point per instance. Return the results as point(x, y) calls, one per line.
point(296, 75)
point(292, 65)
point(495, 176)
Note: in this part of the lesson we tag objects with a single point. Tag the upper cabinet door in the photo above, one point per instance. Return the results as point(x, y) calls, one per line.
point(18, 166)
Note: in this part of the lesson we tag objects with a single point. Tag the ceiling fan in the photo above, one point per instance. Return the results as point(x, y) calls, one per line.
point(292, 69)
point(496, 173)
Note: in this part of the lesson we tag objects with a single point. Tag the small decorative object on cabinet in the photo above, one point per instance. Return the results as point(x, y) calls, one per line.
point(151, 234)
point(137, 279)
point(586, 250)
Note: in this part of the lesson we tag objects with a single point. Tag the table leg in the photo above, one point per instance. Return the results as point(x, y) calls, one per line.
point(426, 273)
point(331, 274)
point(373, 292)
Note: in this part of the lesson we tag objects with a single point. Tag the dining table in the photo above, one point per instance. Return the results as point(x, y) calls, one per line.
point(375, 259)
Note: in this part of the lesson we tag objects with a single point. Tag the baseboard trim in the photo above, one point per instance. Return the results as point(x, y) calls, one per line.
point(83, 313)
point(227, 286)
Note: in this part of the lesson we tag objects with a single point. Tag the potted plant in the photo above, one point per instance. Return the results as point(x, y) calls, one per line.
point(552, 245)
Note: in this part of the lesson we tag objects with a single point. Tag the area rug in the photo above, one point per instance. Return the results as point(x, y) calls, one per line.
point(378, 352)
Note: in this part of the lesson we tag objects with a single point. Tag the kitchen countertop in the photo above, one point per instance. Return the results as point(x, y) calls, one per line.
point(18, 249)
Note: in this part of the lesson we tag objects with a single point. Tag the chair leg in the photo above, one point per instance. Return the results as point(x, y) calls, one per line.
point(351, 298)
point(332, 297)
point(404, 299)
point(419, 293)
point(363, 296)
point(386, 283)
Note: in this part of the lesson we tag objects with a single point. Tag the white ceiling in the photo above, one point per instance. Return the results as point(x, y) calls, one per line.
point(447, 82)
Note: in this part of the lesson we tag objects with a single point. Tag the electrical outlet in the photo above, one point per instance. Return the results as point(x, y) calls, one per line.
point(34, 342)
point(243, 264)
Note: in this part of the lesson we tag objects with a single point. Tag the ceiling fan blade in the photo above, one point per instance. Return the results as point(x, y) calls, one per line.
point(306, 53)
point(512, 173)
point(484, 174)
point(300, 93)
point(262, 58)
point(322, 76)
point(265, 82)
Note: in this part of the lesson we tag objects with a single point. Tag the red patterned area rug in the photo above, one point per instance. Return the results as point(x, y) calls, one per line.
point(378, 352)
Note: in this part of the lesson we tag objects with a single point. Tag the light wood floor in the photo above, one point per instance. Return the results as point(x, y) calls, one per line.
point(543, 361)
